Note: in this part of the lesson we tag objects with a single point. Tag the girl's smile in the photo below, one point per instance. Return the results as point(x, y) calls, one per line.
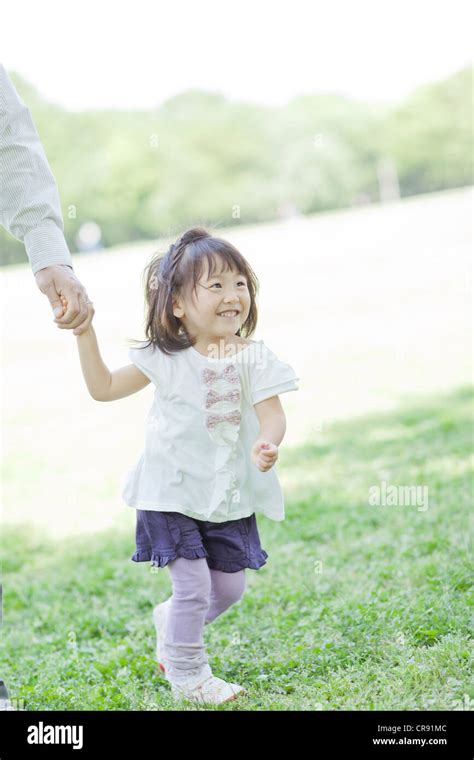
point(228, 314)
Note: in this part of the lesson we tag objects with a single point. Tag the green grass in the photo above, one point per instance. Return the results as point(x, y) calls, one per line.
point(358, 608)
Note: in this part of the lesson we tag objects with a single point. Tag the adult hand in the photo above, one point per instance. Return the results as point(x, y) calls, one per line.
point(59, 280)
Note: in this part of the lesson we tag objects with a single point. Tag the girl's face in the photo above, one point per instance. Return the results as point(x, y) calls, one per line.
point(201, 313)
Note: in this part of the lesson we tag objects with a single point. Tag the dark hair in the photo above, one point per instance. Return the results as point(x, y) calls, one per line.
point(172, 272)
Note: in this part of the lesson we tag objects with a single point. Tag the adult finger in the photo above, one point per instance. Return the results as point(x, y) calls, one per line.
point(77, 309)
point(54, 299)
point(84, 325)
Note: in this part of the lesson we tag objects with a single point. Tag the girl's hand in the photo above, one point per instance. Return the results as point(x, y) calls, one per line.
point(64, 305)
point(264, 454)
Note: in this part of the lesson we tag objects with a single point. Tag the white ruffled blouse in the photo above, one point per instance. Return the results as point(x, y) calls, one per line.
point(200, 430)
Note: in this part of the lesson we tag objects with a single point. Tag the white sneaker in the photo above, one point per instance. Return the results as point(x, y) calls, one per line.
point(212, 690)
point(160, 619)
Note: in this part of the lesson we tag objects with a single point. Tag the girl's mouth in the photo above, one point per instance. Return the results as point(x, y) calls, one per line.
point(228, 314)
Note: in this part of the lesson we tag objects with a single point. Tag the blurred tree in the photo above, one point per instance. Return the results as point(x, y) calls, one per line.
point(429, 136)
point(200, 158)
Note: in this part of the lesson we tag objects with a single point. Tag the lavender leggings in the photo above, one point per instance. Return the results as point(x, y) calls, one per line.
point(200, 594)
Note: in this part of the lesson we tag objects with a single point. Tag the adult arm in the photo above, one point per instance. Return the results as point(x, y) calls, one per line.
point(30, 209)
point(29, 200)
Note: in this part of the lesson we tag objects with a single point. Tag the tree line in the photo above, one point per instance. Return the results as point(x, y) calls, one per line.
point(201, 158)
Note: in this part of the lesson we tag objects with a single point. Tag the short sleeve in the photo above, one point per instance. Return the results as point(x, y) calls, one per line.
point(147, 359)
point(269, 376)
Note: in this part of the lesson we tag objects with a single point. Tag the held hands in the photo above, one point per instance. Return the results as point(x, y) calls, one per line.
point(67, 296)
point(264, 454)
point(84, 327)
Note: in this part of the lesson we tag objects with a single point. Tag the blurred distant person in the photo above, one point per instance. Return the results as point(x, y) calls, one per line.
point(89, 237)
point(30, 210)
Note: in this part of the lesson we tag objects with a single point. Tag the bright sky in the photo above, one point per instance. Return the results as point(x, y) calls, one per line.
point(100, 53)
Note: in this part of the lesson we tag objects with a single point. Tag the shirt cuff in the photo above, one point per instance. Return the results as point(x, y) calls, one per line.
point(46, 245)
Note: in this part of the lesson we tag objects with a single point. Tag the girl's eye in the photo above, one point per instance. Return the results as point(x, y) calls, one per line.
point(241, 282)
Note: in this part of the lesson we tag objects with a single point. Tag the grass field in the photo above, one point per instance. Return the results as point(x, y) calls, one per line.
point(358, 606)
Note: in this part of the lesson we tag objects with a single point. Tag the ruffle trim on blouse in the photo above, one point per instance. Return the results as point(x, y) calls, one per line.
point(255, 562)
point(222, 401)
point(161, 560)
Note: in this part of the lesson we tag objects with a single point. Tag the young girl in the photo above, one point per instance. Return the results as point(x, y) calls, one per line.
point(212, 439)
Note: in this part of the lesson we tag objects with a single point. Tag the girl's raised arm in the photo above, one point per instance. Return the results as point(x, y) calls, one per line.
point(102, 384)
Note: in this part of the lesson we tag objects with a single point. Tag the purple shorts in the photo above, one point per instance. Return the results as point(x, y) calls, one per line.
point(228, 546)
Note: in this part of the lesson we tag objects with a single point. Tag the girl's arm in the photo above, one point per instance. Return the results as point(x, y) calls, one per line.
point(102, 384)
point(272, 420)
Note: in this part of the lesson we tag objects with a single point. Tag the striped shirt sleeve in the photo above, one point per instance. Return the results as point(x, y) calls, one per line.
point(29, 200)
